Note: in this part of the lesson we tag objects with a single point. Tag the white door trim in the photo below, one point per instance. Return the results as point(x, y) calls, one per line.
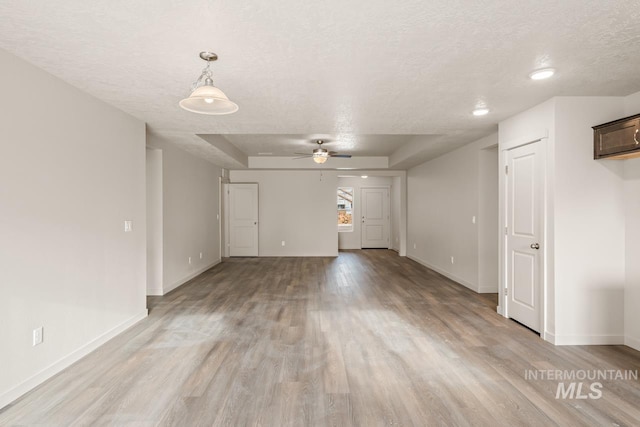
point(503, 308)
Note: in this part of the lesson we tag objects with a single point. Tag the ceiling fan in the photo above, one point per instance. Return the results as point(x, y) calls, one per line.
point(321, 154)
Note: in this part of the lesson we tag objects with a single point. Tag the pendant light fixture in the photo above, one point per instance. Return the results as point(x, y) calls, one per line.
point(205, 98)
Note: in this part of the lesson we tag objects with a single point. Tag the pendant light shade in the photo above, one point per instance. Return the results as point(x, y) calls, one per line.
point(205, 98)
point(208, 100)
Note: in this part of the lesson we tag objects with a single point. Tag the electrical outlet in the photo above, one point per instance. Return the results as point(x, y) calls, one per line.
point(283, 243)
point(415, 246)
point(200, 255)
point(37, 336)
point(128, 226)
point(473, 219)
point(189, 260)
point(451, 260)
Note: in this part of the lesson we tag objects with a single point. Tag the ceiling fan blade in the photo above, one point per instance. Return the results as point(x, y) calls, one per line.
point(302, 157)
point(303, 154)
point(344, 156)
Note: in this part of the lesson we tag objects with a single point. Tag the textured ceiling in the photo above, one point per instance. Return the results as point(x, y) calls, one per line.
point(335, 67)
point(287, 145)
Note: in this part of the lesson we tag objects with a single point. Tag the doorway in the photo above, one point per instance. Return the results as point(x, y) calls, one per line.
point(524, 234)
point(375, 219)
point(243, 220)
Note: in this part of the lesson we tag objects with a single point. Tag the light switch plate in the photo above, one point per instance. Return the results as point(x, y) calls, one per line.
point(128, 226)
point(37, 336)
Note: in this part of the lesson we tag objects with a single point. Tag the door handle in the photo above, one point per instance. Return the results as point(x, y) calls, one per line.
point(535, 246)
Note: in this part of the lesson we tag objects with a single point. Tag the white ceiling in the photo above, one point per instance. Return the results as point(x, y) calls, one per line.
point(334, 67)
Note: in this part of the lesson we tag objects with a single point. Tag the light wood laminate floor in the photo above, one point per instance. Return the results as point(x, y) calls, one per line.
point(366, 339)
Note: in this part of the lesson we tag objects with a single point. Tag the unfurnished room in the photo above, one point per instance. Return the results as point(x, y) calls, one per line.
point(421, 213)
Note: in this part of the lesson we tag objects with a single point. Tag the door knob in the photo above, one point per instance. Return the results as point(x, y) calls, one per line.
point(535, 246)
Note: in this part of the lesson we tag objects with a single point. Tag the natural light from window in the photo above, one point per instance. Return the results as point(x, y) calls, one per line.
point(345, 209)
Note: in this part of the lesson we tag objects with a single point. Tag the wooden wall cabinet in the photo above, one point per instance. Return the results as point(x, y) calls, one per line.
point(619, 139)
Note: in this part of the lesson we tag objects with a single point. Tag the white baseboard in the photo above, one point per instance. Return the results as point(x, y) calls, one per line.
point(488, 289)
point(51, 370)
point(549, 337)
point(190, 276)
point(154, 292)
point(499, 310)
point(444, 273)
point(632, 342)
point(300, 255)
point(588, 339)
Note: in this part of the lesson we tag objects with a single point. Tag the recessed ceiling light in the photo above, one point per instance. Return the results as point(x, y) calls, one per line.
point(480, 111)
point(364, 176)
point(542, 74)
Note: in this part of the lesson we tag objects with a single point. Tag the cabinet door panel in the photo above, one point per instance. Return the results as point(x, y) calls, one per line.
point(617, 138)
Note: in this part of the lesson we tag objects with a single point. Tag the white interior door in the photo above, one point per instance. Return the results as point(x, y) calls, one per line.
point(243, 219)
point(375, 218)
point(524, 234)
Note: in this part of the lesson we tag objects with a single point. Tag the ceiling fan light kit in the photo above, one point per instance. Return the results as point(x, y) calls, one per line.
point(205, 98)
point(321, 154)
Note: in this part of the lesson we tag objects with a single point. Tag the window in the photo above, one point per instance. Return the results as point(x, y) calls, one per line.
point(345, 209)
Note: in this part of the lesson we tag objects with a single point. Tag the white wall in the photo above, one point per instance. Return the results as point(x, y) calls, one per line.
point(589, 218)
point(443, 197)
point(632, 238)
point(585, 214)
point(488, 219)
point(632, 251)
point(353, 239)
point(190, 192)
point(72, 170)
point(154, 221)
point(298, 207)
